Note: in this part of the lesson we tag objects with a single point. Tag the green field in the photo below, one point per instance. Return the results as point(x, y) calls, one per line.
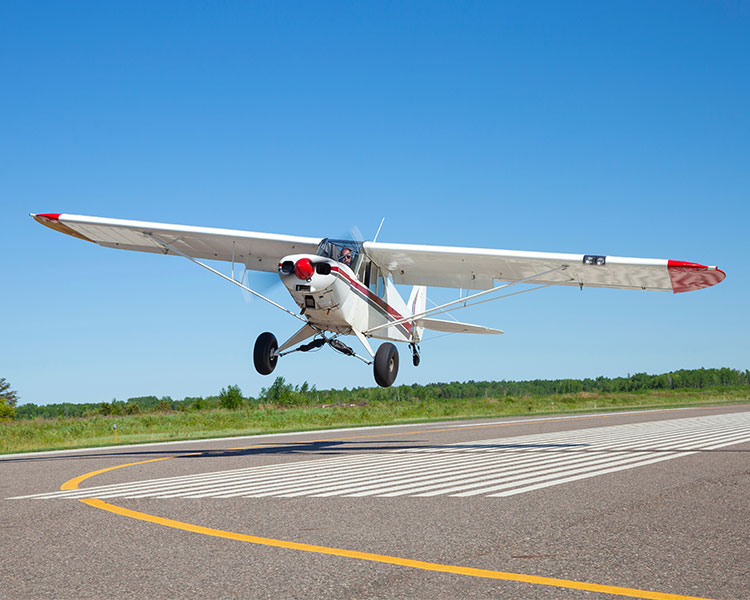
point(59, 433)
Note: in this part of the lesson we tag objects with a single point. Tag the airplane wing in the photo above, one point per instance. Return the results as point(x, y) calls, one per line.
point(258, 251)
point(476, 268)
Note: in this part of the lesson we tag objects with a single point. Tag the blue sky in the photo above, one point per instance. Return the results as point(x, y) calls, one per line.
point(617, 128)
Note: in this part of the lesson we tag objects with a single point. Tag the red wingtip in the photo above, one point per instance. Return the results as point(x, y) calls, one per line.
point(52, 220)
point(688, 276)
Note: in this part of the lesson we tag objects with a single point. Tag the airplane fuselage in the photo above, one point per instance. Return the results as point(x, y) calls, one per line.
point(332, 298)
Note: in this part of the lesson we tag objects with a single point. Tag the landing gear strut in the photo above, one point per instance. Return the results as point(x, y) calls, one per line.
point(266, 352)
point(385, 365)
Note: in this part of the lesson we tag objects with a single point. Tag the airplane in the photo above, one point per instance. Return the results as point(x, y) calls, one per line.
point(348, 287)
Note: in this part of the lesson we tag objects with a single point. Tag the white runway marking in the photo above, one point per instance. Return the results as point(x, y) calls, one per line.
point(494, 468)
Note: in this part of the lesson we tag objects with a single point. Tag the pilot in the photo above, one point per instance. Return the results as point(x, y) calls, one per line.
point(346, 257)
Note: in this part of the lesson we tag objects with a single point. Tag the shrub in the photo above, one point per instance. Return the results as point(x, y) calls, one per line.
point(231, 397)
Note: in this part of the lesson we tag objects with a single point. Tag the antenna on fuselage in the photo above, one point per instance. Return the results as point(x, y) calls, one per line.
point(375, 239)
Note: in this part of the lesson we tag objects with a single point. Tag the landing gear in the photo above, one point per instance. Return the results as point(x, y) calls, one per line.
point(414, 354)
point(386, 365)
point(264, 354)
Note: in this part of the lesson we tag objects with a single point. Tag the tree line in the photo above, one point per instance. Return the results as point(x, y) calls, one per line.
point(283, 394)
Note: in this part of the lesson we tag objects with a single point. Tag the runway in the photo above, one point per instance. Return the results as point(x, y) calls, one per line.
point(646, 504)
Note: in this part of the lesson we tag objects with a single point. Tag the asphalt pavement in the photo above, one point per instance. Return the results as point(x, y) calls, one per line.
point(649, 504)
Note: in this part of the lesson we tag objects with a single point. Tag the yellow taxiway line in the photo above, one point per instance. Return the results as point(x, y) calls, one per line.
point(392, 560)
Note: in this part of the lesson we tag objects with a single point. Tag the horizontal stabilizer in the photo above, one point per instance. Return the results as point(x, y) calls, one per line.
point(454, 326)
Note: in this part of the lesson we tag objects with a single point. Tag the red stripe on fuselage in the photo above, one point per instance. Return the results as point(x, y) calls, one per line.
point(387, 308)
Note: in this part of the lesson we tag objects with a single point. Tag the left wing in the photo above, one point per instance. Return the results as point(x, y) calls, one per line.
point(478, 268)
point(258, 251)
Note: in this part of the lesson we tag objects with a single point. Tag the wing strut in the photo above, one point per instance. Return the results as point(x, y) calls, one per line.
point(220, 274)
point(442, 308)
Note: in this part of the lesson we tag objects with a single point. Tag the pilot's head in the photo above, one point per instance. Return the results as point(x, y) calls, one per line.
point(346, 257)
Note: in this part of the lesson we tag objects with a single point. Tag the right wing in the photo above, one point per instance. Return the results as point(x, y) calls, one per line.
point(480, 268)
point(257, 251)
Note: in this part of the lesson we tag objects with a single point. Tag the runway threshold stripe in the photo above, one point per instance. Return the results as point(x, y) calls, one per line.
point(390, 471)
point(539, 486)
point(470, 462)
point(167, 482)
point(557, 466)
point(392, 560)
point(551, 461)
point(315, 473)
point(554, 475)
point(617, 433)
point(251, 478)
point(432, 467)
point(592, 469)
point(643, 460)
point(470, 467)
point(518, 470)
point(483, 467)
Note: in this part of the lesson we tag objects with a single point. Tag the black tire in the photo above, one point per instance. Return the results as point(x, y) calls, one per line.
point(265, 346)
point(386, 365)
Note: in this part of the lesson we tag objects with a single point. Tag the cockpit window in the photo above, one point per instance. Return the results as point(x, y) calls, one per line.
point(346, 252)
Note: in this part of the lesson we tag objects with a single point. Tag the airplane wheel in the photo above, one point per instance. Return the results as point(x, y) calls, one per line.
point(263, 358)
point(386, 365)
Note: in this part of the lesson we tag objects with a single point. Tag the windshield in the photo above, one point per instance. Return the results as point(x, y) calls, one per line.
point(346, 252)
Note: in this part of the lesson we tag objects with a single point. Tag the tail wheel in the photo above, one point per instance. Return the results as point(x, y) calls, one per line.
point(414, 354)
point(264, 354)
point(386, 365)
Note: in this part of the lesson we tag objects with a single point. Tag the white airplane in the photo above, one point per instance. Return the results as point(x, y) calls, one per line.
point(347, 287)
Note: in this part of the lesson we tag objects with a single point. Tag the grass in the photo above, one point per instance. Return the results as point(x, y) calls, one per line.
point(53, 434)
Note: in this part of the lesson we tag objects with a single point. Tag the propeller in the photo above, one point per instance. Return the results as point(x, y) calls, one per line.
point(263, 282)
